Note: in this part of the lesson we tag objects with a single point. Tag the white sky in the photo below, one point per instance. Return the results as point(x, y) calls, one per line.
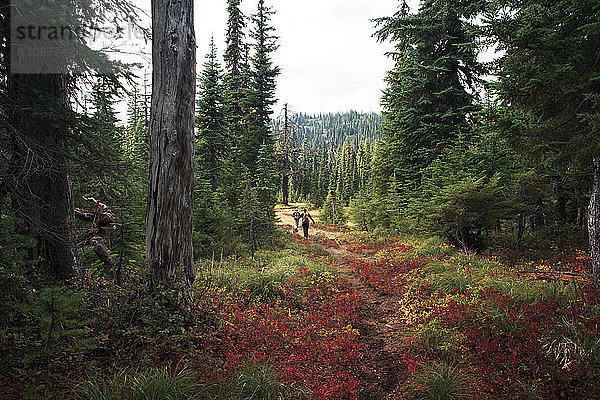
point(328, 58)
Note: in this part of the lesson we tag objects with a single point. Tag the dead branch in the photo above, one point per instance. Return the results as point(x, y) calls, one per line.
point(99, 218)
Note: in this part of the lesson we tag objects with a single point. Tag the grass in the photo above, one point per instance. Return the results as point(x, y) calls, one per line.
point(152, 384)
point(567, 344)
point(432, 339)
point(260, 382)
point(252, 382)
point(441, 381)
point(466, 272)
point(262, 276)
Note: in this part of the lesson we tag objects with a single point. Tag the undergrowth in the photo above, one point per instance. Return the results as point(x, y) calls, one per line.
point(478, 327)
point(276, 326)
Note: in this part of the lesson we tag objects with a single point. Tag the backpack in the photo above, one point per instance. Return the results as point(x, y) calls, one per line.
point(305, 218)
point(296, 215)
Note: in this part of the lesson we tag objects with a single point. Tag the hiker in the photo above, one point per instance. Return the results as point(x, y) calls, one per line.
point(296, 215)
point(306, 218)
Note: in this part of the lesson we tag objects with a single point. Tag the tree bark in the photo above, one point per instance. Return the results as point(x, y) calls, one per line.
point(561, 209)
point(594, 221)
point(581, 211)
point(520, 229)
point(40, 187)
point(170, 198)
point(285, 188)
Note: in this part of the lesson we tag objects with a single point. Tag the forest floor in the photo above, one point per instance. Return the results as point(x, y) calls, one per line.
point(345, 314)
point(503, 323)
point(380, 321)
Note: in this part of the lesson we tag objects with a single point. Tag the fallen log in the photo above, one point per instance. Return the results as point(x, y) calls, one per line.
point(540, 271)
point(102, 252)
point(553, 275)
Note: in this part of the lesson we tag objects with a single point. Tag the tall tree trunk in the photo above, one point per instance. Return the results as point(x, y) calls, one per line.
point(561, 209)
point(594, 221)
point(580, 209)
point(520, 229)
point(285, 187)
point(170, 198)
point(41, 188)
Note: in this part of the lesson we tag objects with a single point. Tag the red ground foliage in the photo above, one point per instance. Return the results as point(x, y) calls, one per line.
point(509, 347)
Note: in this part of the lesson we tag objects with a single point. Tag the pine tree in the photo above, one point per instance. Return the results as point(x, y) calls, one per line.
point(136, 138)
point(324, 176)
point(427, 102)
point(42, 144)
point(105, 180)
point(257, 151)
point(134, 109)
point(333, 210)
point(260, 95)
point(286, 153)
point(548, 89)
point(212, 142)
point(212, 152)
point(234, 103)
point(235, 52)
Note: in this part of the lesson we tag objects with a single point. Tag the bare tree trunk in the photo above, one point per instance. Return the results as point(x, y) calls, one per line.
point(285, 187)
point(580, 209)
point(170, 193)
point(40, 187)
point(561, 209)
point(594, 221)
point(520, 229)
point(251, 210)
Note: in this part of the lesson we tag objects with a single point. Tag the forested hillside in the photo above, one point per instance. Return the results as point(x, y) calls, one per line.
point(324, 149)
point(322, 128)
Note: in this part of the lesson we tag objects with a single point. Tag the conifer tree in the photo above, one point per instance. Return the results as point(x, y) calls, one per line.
point(427, 102)
point(102, 182)
point(548, 89)
point(286, 153)
point(42, 144)
point(261, 93)
point(258, 152)
point(333, 210)
point(212, 142)
point(234, 59)
point(264, 72)
point(212, 151)
point(169, 245)
point(234, 101)
point(134, 108)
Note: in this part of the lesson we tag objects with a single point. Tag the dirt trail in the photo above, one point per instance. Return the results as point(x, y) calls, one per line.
point(379, 325)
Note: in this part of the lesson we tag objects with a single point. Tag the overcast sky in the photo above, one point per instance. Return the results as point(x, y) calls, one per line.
point(328, 58)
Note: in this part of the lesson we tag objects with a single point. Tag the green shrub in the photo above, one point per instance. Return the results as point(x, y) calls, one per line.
point(333, 211)
point(431, 338)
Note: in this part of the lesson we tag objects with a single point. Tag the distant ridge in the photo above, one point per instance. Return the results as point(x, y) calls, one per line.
point(316, 129)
